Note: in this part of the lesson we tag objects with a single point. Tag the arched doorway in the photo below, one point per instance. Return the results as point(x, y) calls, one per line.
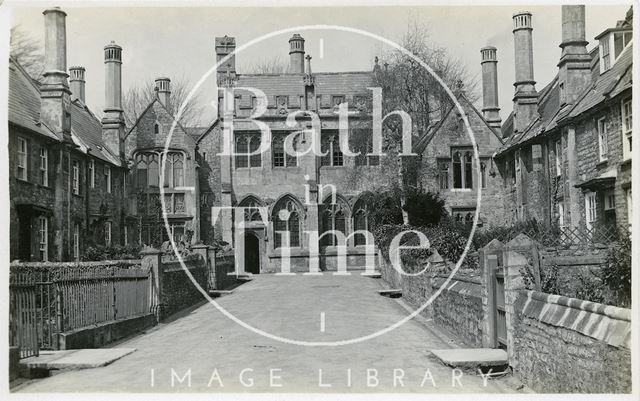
point(251, 253)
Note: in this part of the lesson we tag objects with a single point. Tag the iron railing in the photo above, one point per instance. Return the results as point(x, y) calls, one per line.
point(47, 299)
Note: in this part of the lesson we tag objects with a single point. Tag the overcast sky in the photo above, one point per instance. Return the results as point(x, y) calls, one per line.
point(163, 41)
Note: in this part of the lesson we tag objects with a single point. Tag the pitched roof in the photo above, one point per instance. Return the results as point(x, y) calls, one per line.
point(24, 111)
point(467, 105)
point(611, 83)
point(337, 83)
point(24, 101)
point(606, 85)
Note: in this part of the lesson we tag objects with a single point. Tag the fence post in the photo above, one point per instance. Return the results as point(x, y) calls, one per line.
point(518, 255)
point(488, 259)
point(206, 252)
point(152, 259)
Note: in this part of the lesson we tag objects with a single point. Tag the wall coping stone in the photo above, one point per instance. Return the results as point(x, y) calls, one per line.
point(606, 323)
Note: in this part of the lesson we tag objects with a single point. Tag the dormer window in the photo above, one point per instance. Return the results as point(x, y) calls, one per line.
point(612, 44)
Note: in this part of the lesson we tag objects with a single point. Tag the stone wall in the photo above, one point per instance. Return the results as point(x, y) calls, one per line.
point(568, 345)
point(178, 291)
point(458, 307)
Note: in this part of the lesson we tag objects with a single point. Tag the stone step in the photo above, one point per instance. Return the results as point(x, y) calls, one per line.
point(75, 359)
point(392, 293)
point(473, 358)
point(220, 293)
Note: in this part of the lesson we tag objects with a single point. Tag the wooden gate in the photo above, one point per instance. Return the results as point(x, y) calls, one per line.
point(497, 317)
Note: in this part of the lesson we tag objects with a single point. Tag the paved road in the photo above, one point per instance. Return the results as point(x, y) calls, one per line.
point(223, 356)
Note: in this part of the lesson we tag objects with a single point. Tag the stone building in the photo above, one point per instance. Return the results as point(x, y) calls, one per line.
point(566, 159)
point(301, 194)
point(67, 180)
point(448, 158)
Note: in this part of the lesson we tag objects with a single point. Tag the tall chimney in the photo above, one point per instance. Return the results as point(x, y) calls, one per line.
point(77, 82)
point(113, 120)
point(525, 100)
point(54, 92)
point(224, 46)
point(575, 63)
point(296, 54)
point(163, 86)
point(490, 109)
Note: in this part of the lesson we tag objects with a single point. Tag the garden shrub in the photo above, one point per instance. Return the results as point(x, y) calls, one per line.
point(616, 274)
point(114, 252)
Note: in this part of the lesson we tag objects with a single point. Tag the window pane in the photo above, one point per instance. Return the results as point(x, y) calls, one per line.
point(242, 149)
point(294, 230)
point(468, 171)
point(278, 152)
point(178, 171)
point(254, 145)
point(457, 170)
point(154, 178)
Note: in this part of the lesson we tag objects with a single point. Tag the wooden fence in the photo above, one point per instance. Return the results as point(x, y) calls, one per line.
point(47, 299)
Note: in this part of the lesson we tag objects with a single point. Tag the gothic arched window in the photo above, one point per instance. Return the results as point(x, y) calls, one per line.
point(287, 217)
point(252, 211)
point(360, 222)
point(457, 170)
point(333, 219)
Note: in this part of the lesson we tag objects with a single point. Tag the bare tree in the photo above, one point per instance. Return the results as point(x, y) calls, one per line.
point(410, 87)
point(137, 98)
point(273, 65)
point(27, 51)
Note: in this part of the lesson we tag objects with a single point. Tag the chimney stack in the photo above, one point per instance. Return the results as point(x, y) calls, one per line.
point(54, 92)
point(575, 63)
point(77, 82)
point(224, 46)
point(113, 120)
point(525, 100)
point(163, 88)
point(296, 54)
point(490, 108)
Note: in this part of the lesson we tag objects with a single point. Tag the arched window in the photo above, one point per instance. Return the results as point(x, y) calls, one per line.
point(333, 219)
point(177, 170)
point(251, 213)
point(468, 171)
point(462, 169)
point(154, 177)
point(360, 222)
point(457, 170)
point(287, 217)
point(141, 171)
point(156, 128)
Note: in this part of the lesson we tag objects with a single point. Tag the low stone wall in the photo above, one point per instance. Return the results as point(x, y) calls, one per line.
point(568, 345)
point(224, 266)
point(458, 307)
point(178, 291)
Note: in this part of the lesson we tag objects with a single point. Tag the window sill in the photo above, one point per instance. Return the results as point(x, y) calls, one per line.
point(626, 162)
point(602, 163)
point(461, 189)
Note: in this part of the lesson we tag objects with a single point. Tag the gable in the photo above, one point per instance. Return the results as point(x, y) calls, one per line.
point(452, 132)
point(154, 127)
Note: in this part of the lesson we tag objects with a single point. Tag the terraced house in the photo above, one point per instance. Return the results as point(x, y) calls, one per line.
point(566, 159)
point(67, 179)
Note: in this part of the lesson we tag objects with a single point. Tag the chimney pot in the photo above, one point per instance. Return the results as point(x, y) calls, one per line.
point(526, 98)
point(163, 90)
point(77, 82)
point(489, 63)
point(296, 54)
